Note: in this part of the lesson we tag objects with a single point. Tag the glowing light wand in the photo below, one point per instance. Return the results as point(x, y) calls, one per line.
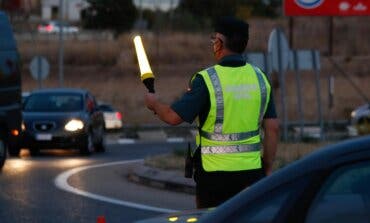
point(146, 73)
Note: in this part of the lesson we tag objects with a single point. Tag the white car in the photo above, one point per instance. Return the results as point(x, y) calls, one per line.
point(112, 117)
point(360, 119)
point(54, 27)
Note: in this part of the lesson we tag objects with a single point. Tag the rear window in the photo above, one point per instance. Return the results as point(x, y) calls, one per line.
point(54, 103)
point(106, 108)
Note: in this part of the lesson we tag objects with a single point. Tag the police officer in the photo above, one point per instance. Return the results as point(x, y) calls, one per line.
point(232, 103)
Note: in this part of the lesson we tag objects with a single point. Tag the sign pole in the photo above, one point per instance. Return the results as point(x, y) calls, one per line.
point(315, 64)
point(291, 31)
point(330, 41)
point(299, 92)
point(282, 83)
point(39, 81)
point(331, 100)
point(61, 44)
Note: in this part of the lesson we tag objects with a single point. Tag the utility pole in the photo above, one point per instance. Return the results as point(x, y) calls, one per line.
point(61, 43)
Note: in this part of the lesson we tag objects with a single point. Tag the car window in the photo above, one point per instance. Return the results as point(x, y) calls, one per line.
point(53, 103)
point(90, 103)
point(105, 108)
point(345, 196)
point(266, 208)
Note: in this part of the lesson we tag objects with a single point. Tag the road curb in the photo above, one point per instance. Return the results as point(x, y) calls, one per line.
point(162, 179)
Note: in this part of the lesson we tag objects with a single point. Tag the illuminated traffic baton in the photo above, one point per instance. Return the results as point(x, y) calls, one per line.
point(146, 73)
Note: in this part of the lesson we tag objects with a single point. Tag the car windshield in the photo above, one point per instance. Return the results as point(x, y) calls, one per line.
point(53, 102)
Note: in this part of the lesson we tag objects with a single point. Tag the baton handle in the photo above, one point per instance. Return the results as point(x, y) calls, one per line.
point(149, 84)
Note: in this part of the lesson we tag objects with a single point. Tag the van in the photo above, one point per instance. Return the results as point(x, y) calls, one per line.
point(10, 92)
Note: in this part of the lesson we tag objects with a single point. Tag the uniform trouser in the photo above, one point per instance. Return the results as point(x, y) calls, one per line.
point(214, 188)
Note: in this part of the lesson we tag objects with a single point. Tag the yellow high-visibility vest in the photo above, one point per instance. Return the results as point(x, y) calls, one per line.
point(230, 136)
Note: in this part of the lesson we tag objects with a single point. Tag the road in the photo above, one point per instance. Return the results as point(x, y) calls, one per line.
point(29, 192)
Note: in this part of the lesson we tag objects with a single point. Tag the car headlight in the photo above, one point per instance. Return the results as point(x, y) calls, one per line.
point(23, 127)
point(74, 125)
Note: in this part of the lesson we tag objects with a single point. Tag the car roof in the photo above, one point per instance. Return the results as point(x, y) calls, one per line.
point(330, 156)
point(7, 41)
point(60, 90)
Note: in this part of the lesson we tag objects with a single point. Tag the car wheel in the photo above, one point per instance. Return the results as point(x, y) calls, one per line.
point(2, 153)
point(88, 146)
point(100, 146)
point(14, 150)
point(34, 151)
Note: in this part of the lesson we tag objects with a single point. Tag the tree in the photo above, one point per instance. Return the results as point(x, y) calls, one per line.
point(212, 9)
point(265, 8)
point(118, 15)
point(209, 8)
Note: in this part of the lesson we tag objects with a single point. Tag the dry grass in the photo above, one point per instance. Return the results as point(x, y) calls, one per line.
point(109, 70)
point(77, 53)
point(350, 38)
point(121, 86)
point(286, 153)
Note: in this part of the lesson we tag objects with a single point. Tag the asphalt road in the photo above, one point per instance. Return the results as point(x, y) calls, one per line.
point(28, 192)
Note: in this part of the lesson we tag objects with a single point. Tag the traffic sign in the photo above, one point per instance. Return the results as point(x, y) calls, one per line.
point(259, 59)
point(39, 68)
point(279, 49)
point(327, 7)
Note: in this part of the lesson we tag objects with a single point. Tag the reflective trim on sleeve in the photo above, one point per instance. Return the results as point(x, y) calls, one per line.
point(231, 149)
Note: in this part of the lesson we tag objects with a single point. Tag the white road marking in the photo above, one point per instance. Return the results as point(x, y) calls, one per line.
point(61, 182)
point(175, 139)
point(126, 141)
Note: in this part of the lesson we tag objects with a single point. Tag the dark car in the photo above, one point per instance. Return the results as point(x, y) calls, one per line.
point(25, 96)
point(330, 185)
point(62, 118)
point(10, 89)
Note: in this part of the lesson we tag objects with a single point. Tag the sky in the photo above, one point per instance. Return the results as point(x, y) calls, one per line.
point(163, 5)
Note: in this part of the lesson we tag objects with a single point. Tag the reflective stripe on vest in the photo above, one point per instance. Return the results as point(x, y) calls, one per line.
point(229, 137)
point(263, 89)
point(231, 149)
point(219, 99)
point(217, 135)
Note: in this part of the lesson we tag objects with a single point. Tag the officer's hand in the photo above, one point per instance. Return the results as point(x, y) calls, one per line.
point(150, 100)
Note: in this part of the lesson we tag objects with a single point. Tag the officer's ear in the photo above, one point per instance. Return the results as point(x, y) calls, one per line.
point(220, 41)
point(219, 44)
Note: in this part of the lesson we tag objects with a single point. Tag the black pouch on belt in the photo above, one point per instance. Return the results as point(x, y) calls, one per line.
point(188, 163)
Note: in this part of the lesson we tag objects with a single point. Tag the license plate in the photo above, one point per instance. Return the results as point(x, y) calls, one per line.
point(43, 137)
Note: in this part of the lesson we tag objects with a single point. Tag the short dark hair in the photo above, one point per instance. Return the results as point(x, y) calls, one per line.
point(236, 32)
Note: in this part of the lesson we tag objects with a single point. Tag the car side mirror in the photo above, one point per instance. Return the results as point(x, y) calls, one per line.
point(90, 106)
